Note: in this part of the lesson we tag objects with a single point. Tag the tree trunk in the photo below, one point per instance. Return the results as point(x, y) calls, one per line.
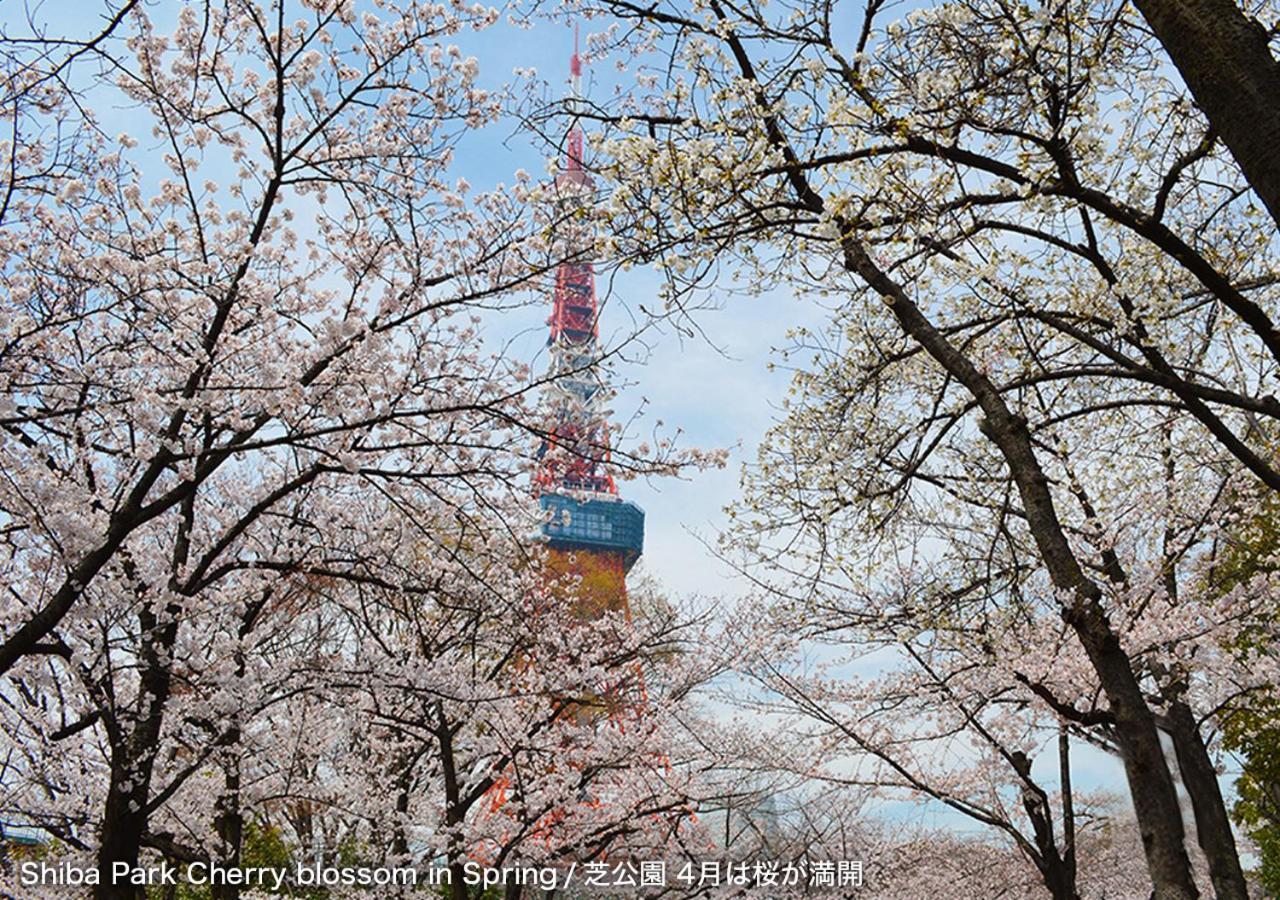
point(229, 820)
point(1224, 58)
point(1213, 827)
point(1068, 800)
point(400, 837)
point(455, 813)
point(1059, 866)
point(1151, 786)
point(123, 822)
point(133, 759)
point(404, 769)
point(133, 756)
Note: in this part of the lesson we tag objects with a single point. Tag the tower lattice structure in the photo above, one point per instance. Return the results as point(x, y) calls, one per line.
point(591, 531)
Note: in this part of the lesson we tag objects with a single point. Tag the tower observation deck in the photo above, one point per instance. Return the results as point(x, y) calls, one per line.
point(589, 526)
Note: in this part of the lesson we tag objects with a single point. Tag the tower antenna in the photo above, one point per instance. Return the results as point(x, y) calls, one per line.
point(575, 63)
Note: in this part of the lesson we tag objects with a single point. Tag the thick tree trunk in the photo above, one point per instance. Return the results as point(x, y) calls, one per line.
point(229, 820)
point(1151, 786)
point(1224, 58)
point(1213, 827)
point(123, 822)
point(1060, 880)
point(133, 759)
point(455, 813)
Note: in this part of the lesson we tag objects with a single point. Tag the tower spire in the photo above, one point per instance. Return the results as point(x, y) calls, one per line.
point(574, 142)
point(575, 64)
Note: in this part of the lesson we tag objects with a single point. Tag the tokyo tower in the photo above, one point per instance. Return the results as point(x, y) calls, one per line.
point(592, 533)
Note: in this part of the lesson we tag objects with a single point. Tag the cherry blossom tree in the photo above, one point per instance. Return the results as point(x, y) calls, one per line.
point(1046, 275)
point(247, 392)
point(518, 733)
point(949, 589)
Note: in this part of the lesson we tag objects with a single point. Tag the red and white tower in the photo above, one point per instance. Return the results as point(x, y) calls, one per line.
point(592, 532)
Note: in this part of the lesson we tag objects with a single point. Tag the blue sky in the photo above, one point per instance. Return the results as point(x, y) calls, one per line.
point(716, 389)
